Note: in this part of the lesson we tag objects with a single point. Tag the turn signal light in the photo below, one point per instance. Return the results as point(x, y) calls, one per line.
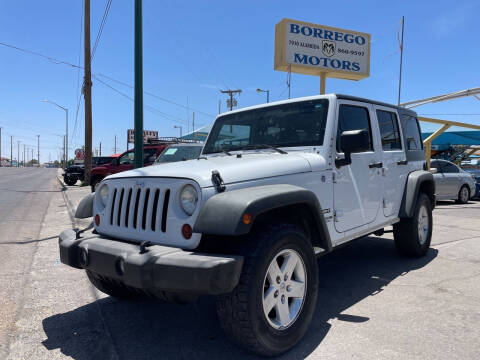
point(247, 219)
point(187, 231)
point(97, 220)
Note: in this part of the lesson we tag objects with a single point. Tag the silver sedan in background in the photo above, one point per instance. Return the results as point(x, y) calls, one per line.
point(451, 182)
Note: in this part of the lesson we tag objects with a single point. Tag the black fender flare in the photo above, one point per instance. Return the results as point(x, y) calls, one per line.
point(414, 182)
point(222, 214)
point(85, 207)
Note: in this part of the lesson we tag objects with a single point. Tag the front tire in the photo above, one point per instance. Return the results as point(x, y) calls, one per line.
point(413, 235)
point(272, 307)
point(463, 195)
point(69, 181)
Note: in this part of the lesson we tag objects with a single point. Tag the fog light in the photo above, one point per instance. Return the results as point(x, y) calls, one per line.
point(186, 231)
point(97, 220)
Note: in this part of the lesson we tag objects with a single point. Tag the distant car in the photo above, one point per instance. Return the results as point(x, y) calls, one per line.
point(73, 173)
point(179, 152)
point(476, 174)
point(451, 182)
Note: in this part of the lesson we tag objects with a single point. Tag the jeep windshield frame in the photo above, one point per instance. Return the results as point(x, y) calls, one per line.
point(293, 124)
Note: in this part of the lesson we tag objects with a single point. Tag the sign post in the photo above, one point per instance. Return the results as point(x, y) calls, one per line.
point(138, 93)
point(324, 51)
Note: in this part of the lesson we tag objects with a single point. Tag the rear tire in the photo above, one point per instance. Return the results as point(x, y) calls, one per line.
point(268, 314)
point(113, 288)
point(413, 235)
point(463, 195)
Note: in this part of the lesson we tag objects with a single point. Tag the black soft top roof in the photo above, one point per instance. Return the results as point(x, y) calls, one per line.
point(355, 98)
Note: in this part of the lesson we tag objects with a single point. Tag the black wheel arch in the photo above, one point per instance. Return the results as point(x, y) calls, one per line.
point(222, 214)
point(417, 181)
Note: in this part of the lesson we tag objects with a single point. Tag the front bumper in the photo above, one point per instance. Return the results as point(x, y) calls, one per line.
point(160, 268)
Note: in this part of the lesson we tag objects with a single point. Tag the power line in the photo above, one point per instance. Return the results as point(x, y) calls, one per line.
point(147, 107)
point(51, 59)
point(155, 96)
point(102, 24)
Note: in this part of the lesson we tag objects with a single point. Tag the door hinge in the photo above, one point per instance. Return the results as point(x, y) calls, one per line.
point(334, 178)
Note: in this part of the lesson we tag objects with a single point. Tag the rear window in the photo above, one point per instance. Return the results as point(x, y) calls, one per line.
point(411, 130)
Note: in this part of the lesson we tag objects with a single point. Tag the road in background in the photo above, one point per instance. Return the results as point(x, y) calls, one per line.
point(25, 194)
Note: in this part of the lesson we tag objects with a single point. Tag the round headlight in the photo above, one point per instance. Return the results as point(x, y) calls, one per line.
point(103, 192)
point(188, 199)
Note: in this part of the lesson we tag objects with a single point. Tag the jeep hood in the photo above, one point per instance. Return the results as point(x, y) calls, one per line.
point(249, 166)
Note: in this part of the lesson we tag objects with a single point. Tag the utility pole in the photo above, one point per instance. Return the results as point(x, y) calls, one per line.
point(18, 153)
point(0, 146)
point(38, 150)
point(219, 106)
point(115, 147)
point(138, 92)
point(230, 94)
point(87, 92)
point(401, 61)
point(32, 157)
point(11, 150)
point(24, 155)
point(193, 127)
point(100, 148)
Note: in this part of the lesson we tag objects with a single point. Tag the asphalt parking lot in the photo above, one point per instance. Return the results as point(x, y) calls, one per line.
point(372, 303)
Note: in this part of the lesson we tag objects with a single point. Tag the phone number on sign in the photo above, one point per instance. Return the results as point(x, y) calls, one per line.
point(351, 52)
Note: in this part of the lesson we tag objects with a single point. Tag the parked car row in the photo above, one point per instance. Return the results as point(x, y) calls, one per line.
point(103, 166)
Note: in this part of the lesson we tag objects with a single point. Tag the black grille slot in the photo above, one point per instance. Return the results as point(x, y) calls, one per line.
point(165, 210)
point(154, 210)
point(135, 211)
point(127, 210)
point(113, 206)
point(119, 211)
point(145, 207)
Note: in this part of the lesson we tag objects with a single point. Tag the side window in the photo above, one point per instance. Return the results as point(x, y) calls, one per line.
point(126, 159)
point(149, 155)
point(388, 124)
point(411, 130)
point(352, 117)
point(436, 165)
point(449, 168)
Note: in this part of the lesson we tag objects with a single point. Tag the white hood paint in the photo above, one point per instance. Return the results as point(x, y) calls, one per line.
point(250, 166)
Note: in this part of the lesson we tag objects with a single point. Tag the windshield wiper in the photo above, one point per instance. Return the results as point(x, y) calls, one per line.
point(260, 146)
point(226, 152)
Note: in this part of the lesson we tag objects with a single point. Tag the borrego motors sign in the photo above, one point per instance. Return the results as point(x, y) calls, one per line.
point(147, 135)
point(313, 49)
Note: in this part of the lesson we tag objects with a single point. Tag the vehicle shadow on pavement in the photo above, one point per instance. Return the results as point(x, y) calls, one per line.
point(108, 328)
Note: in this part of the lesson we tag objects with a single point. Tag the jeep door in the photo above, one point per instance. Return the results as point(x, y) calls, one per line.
point(394, 161)
point(357, 187)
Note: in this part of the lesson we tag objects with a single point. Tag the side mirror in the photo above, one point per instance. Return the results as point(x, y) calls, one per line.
point(352, 141)
point(433, 170)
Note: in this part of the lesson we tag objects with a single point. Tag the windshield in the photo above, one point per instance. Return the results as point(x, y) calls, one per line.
point(179, 153)
point(287, 125)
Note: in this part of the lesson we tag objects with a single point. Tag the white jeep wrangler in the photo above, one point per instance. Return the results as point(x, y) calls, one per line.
point(275, 186)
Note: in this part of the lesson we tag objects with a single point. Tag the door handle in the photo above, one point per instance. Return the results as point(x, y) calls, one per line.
point(402, 162)
point(375, 165)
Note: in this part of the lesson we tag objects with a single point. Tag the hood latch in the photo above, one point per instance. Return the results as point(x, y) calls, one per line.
point(218, 181)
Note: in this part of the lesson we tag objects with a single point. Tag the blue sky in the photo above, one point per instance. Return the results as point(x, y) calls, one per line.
point(192, 49)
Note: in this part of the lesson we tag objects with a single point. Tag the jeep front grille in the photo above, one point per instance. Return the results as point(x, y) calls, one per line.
point(139, 208)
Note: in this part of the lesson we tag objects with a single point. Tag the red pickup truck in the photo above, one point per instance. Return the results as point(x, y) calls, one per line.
point(125, 162)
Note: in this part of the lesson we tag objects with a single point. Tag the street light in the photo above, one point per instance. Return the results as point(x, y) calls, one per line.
point(267, 91)
point(178, 127)
point(66, 127)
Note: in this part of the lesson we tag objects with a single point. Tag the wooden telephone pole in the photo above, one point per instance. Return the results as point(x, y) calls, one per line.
point(231, 93)
point(87, 92)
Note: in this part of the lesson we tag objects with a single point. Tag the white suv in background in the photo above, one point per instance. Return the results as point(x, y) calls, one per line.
point(275, 186)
